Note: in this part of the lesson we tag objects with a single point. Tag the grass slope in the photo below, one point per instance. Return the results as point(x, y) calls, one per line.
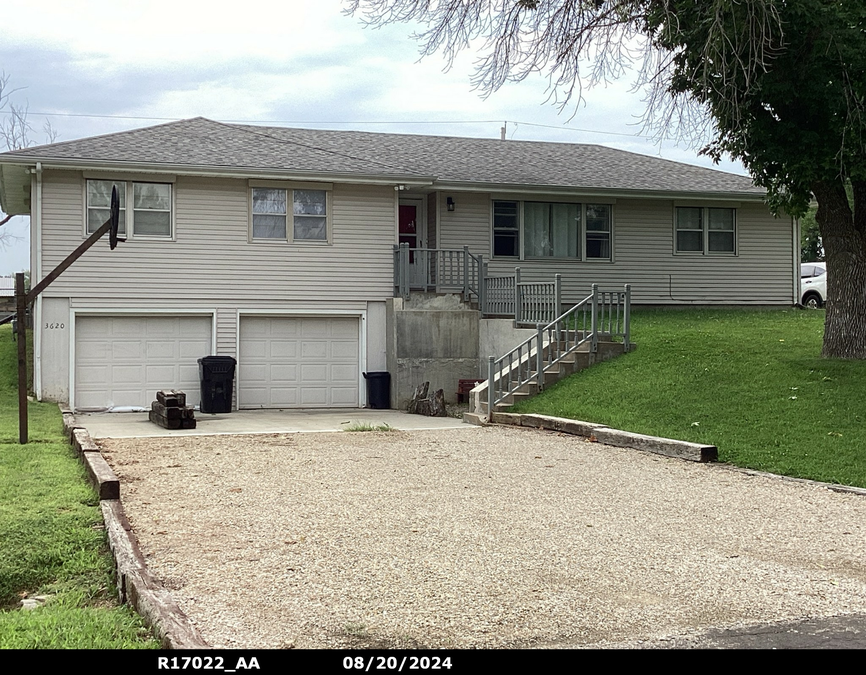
point(751, 382)
point(52, 538)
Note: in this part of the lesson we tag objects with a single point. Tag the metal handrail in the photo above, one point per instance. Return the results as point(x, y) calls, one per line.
point(604, 313)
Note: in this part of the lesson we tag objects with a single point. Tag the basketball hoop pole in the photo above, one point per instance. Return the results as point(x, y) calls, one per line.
point(23, 300)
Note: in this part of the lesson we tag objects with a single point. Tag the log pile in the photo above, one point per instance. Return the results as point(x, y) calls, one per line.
point(421, 404)
point(170, 411)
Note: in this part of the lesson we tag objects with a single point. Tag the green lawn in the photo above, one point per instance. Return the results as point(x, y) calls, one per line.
point(52, 539)
point(750, 382)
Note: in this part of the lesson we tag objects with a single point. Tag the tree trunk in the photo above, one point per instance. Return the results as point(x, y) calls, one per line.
point(842, 233)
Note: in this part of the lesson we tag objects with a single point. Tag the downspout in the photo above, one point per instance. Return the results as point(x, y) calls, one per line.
point(797, 258)
point(36, 275)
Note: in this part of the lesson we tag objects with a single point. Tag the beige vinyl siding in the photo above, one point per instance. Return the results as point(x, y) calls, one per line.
point(761, 273)
point(212, 260)
point(226, 331)
point(468, 224)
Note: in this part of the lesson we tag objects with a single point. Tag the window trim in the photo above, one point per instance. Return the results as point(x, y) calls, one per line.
point(582, 234)
point(289, 188)
point(129, 182)
point(705, 229)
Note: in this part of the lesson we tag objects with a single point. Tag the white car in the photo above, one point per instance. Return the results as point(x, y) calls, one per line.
point(813, 284)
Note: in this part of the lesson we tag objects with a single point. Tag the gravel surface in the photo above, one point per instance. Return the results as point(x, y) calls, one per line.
point(477, 537)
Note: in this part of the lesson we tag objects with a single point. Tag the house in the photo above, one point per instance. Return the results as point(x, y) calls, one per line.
point(7, 294)
point(277, 246)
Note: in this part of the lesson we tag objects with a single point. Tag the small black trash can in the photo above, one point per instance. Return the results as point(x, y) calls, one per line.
point(217, 374)
point(378, 390)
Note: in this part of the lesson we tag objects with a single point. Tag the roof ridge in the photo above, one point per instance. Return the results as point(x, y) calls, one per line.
point(252, 130)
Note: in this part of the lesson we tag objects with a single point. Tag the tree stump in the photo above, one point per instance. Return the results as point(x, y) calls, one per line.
point(421, 404)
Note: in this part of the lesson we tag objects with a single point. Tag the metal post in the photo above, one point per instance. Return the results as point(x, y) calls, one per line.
point(626, 341)
point(21, 309)
point(539, 356)
point(594, 325)
point(490, 393)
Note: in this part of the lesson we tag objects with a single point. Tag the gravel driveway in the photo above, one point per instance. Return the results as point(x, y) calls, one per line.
point(477, 537)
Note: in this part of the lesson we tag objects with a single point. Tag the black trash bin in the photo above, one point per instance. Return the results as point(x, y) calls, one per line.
point(217, 374)
point(378, 390)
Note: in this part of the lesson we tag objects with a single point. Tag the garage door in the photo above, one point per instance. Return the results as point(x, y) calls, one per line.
point(124, 360)
point(298, 362)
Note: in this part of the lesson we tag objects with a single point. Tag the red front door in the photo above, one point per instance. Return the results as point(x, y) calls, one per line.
point(409, 228)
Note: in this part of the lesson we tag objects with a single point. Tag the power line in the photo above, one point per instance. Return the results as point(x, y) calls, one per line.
point(333, 122)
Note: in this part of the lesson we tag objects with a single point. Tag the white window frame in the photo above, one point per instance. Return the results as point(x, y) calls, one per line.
point(705, 230)
point(288, 189)
point(581, 235)
point(127, 229)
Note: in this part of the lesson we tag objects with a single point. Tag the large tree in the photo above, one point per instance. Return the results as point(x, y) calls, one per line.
point(778, 84)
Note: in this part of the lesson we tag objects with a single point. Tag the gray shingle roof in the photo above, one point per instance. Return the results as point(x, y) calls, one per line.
point(200, 143)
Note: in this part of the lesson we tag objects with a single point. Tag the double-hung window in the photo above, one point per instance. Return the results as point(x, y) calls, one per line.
point(598, 231)
point(281, 214)
point(506, 232)
point(150, 215)
point(705, 230)
point(532, 229)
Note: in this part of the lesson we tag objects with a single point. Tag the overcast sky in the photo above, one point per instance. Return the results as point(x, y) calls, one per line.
point(95, 67)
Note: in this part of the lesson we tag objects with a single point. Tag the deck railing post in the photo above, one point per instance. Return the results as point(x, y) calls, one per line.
point(404, 270)
point(482, 289)
point(397, 289)
point(626, 341)
point(557, 302)
point(490, 393)
point(539, 356)
point(594, 324)
point(466, 273)
point(518, 298)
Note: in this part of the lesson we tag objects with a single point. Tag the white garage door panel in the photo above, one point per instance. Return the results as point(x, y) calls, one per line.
point(124, 361)
point(298, 362)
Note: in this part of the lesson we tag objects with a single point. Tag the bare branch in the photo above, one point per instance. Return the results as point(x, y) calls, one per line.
point(579, 44)
point(15, 133)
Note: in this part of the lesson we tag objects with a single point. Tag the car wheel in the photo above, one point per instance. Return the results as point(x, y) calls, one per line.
point(812, 301)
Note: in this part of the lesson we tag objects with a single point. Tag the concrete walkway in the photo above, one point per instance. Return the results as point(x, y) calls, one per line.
point(137, 425)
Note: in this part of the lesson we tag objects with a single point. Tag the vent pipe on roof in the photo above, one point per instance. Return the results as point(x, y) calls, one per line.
point(502, 130)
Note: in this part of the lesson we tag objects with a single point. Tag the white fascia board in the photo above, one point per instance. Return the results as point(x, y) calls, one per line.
point(225, 172)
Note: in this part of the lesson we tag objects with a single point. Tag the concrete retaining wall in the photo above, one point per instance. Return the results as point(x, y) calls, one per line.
point(436, 342)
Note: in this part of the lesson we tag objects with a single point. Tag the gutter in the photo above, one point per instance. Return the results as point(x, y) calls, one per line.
point(270, 173)
point(516, 189)
point(409, 180)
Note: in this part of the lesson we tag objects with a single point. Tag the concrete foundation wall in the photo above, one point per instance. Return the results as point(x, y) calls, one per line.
point(497, 337)
point(434, 345)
